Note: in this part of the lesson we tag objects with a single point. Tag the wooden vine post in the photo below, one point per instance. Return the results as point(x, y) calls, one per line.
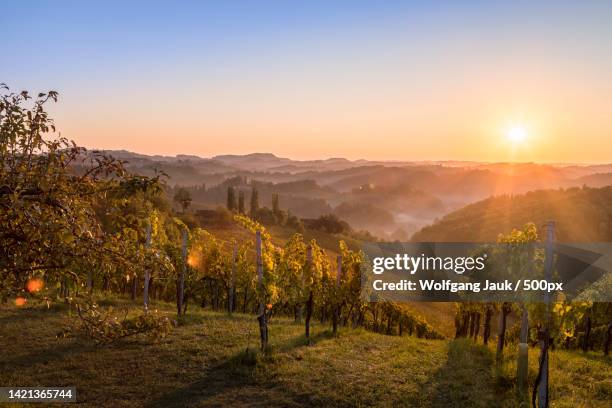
point(523, 355)
point(522, 366)
point(336, 316)
point(501, 337)
point(299, 308)
point(147, 274)
point(180, 284)
point(232, 289)
point(262, 318)
point(486, 330)
point(542, 378)
point(310, 301)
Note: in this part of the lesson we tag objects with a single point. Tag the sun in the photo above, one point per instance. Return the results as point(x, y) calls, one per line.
point(517, 134)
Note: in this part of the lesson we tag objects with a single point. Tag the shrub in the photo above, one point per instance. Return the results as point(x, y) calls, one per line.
point(102, 327)
point(329, 223)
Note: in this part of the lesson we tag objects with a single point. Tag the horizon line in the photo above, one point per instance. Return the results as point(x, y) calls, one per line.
point(439, 161)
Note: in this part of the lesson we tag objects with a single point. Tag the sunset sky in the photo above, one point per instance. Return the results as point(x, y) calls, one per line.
point(399, 80)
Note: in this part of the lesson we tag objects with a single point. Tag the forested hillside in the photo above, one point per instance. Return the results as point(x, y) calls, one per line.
point(581, 215)
point(392, 200)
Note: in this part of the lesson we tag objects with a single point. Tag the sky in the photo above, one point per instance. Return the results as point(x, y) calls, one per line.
point(317, 79)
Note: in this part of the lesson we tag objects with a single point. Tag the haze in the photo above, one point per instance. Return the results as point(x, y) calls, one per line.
point(314, 80)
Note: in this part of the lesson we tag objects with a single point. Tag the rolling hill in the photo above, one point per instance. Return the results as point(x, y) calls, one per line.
point(581, 215)
point(391, 199)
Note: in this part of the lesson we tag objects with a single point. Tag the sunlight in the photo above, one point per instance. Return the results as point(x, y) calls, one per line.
point(34, 285)
point(516, 134)
point(194, 259)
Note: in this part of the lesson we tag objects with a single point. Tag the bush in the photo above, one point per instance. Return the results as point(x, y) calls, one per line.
point(102, 327)
point(265, 216)
point(329, 223)
point(219, 217)
point(295, 223)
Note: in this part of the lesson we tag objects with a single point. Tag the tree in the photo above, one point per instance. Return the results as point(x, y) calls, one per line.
point(275, 204)
point(330, 223)
point(231, 199)
point(254, 202)
point(183, 198)
point(48, 191)
point(241, 202)
point(294, 222)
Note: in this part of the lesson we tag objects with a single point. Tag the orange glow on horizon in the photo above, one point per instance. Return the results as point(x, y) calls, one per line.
point(411, 125)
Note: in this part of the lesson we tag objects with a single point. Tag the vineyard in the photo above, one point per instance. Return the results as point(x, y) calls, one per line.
point(211, 360)
point(100, 274)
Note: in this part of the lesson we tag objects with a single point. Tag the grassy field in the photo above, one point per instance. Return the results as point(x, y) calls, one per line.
point(210, 360)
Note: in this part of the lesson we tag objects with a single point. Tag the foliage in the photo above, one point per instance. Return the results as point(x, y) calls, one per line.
point(269, 291)
point(580, 214)
point(231, 199)
point(48, 223)
point(254, 201)
point(294, 223)
point(183, 198)
point(329, 223)
point(105, 327)
point(241, 202)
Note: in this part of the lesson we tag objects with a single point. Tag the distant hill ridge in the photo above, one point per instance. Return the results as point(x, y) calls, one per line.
point(580, 214)
point(391, 199)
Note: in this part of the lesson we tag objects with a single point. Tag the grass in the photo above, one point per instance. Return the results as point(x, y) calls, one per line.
point(211, 359)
